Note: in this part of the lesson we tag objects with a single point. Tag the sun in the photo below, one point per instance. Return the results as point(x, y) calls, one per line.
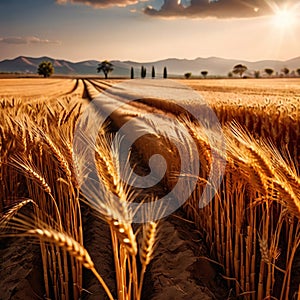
point(284, 18)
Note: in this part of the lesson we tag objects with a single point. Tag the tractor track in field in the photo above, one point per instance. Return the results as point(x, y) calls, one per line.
point(93, 88)
point(75, 87)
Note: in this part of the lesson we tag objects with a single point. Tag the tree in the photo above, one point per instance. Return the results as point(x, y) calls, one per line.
point(143, 72)
point(230, 74)
point(298, 71)
point(239, 69)
point(269, 71)
point(187, 75)
point(285, 71)
point(46, 69)
point(153, 72)
point(132, 73)
point(204, 73)
point(256, 74)
point(106, 67)
point(165, 72)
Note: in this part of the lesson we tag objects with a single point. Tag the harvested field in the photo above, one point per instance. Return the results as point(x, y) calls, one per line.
point(61, 242)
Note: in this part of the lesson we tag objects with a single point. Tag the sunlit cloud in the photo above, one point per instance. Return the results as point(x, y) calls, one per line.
point(17, 40)
point(217, 8)
point(101, 3)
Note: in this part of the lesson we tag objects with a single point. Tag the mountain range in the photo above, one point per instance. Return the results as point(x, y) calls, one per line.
point(214, 65)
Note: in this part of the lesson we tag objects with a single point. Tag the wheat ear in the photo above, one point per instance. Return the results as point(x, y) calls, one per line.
point(32, 172)
point(13, 211)
point(149, 238)
point(264, 250)
point(29, 169)
point(146, 250)
point(119, 220)
point(59, 156)
point(73, 248)
point(125, 234)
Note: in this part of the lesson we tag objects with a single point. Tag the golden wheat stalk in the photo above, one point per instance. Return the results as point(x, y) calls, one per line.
point(66, 242)
point(13, 211)
point(264, 250)
point(111, 204)
point(256, 158)
point(73, 248)
point(118, 197)
point(59, 239)
point(149, 239)
point(146, 250)
point(58, 154)
point(22, 164)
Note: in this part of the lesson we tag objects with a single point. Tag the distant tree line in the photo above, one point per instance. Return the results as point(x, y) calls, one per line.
point(241, 71)
point(46, 69)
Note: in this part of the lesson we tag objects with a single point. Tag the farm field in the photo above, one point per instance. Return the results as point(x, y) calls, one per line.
point(270, 90)
point(58, 242)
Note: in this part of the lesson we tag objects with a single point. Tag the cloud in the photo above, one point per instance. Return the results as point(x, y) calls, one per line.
point(100, 3)
point(216, 8)
point(16, 40)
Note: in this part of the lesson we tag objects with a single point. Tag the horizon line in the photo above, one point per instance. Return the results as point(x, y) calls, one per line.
point(158, 60)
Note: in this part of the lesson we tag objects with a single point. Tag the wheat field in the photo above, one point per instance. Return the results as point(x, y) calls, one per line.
point(73, 248)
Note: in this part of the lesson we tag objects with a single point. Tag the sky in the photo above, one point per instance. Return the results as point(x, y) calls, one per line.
point(150, 30)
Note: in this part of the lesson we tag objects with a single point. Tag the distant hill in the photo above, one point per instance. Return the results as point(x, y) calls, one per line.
point(214, 66)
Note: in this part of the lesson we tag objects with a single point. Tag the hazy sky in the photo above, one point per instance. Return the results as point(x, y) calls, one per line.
point(150, 29)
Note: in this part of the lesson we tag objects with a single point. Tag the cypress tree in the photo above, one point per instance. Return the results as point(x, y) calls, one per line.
point(153, 72)
point(143, 72)
point(132, 73)
point(165, 72)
